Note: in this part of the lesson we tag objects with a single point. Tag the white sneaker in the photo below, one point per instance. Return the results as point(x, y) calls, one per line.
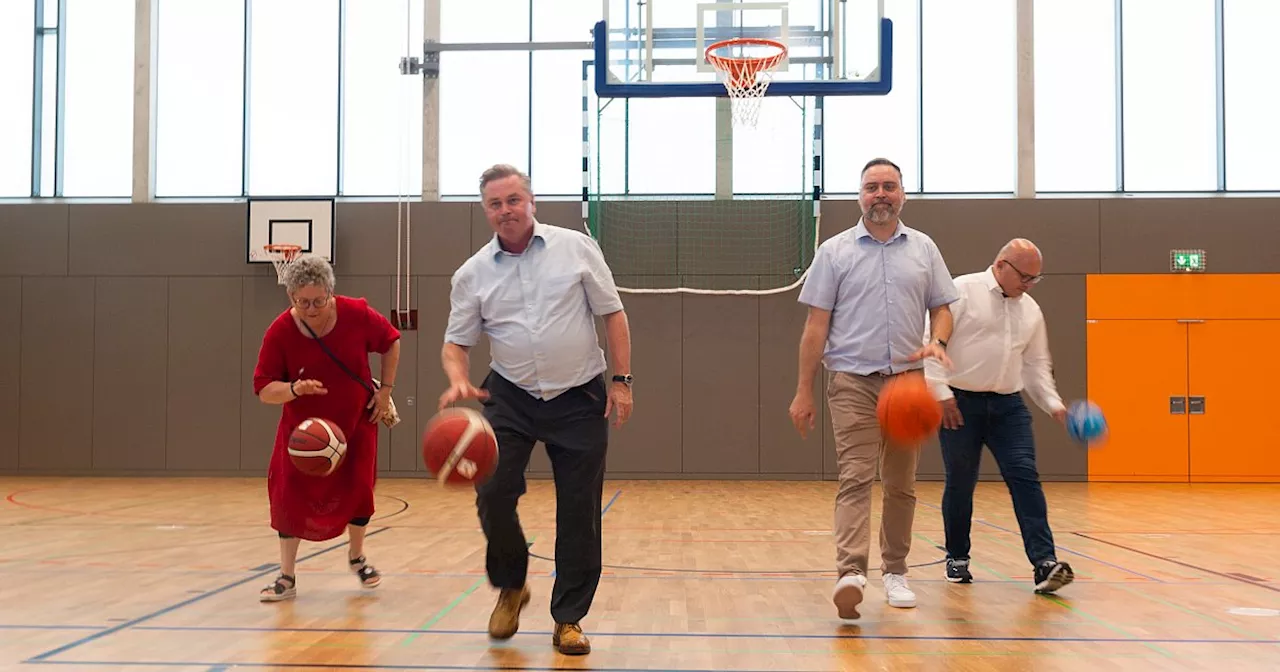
point(897, 592)
point(848, 595)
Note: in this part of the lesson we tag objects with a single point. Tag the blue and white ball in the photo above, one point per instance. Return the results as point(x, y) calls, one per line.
point(1085, 422)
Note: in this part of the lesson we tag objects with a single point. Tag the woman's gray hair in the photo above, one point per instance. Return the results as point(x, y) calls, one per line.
point(309, 269)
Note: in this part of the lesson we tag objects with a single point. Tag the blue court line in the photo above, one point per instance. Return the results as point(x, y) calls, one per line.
point(1060, 547)
point(713, 635)
point(611, 501)
point(173, 607)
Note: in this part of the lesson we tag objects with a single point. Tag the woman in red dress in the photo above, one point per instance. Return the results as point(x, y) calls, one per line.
point(297, 369)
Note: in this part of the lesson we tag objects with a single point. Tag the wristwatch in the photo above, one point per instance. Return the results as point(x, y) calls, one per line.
point(941, 342)
point(625, 379)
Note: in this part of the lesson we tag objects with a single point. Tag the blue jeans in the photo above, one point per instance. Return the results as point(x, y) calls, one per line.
point(1003, 423)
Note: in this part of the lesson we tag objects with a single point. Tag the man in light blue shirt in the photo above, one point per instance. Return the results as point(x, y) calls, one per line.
point(535, 291)
point(868, 291)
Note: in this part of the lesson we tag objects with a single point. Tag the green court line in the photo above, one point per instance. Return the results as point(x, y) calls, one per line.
point(456, 601)
point(1080, 612)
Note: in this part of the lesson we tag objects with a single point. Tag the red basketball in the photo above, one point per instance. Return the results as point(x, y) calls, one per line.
point(907, 411)
point(459, 447)
point(317, 446)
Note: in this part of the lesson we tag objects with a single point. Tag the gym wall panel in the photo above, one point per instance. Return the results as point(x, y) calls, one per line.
point(1236, 232)
point(262, 300)
point(150, 239)
point(33, 239)
point(782, 450)
point(56, 428)
point(969, 233)
point(130, 373)
point(204, 374)
point(652, 441)
point(10, 370)
point(721, 383)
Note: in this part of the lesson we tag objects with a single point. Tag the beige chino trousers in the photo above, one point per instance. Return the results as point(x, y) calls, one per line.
point(860, 450)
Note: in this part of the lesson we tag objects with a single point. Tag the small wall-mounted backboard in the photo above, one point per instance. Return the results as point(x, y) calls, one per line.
point(309, 223)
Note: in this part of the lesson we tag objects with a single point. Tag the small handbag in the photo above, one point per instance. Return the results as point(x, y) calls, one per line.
point(393, 416)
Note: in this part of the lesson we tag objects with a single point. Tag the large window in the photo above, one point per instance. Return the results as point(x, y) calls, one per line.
point(382, 109)
point(305, 98)
point(1170, 116)
point(969, 107)
point(200, 104)
point(857, 129)
point(1252, 57)
point(1075, 87)
point(17, 34)
point(556, 143)
point(98, 110)
point(484, 116)
point(293, 97)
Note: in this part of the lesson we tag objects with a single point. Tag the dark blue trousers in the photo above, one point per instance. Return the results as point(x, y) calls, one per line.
point(1003, 423)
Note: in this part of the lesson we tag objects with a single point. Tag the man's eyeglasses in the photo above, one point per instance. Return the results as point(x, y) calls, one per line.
point(1024, 277)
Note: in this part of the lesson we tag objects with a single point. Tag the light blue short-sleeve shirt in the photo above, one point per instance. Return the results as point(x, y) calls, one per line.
point(537, 308)
point(879, 295)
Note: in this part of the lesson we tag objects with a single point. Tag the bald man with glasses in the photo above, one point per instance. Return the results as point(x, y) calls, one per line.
point(998, 349)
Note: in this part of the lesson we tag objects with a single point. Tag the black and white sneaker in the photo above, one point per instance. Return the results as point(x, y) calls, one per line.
point(1052, 575)
point(958, 571)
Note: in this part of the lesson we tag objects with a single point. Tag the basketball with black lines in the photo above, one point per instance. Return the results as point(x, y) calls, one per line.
point(317, 446)
point(459, 447)
point(907, 411)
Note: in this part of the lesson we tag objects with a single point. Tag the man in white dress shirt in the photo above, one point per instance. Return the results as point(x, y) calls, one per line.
point(998, 349)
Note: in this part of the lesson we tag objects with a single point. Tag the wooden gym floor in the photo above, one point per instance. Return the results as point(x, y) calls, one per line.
point(160, 574)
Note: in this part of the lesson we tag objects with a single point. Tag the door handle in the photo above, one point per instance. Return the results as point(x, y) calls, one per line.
point(1177, 405)
point(1196, 405)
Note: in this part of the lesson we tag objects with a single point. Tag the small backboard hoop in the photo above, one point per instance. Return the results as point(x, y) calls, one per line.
point(307, 222)
point(282, 256)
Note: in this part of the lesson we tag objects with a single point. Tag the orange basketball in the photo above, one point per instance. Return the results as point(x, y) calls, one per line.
point(459, 447)
point(317, 446)
point(907, 412)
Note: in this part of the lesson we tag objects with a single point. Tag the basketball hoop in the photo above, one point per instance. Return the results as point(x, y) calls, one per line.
point(282, 257)
point(746, 78)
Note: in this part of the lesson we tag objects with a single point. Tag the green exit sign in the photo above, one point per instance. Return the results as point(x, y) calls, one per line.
point(1187, 261)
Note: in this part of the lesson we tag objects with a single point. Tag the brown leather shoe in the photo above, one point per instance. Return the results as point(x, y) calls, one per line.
point(569, 639)
point(505, 619)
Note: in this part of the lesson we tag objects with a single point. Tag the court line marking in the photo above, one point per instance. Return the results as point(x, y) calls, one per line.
point(1058, 600)
point(43, 657)
point(715, 635)
point(491, 668)
point(1056, 545)
point(1180, 563)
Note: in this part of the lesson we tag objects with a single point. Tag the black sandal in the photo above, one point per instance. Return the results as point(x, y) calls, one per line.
point(369, 577)
point(283, 588)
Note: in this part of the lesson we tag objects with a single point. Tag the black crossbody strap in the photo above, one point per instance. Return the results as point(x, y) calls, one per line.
point(367, 386)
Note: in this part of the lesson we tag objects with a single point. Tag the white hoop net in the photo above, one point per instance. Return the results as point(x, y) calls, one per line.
point(746, 73)
point(282, 257)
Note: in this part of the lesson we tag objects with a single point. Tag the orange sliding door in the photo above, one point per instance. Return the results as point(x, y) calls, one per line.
point(1136, 367)
point(1232, 413)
